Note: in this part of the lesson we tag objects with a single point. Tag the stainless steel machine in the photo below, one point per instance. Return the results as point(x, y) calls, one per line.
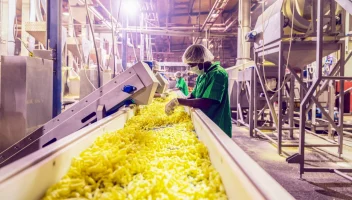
point(163, 83)
point(290, 35)
point(137, 83)
point(26, 85)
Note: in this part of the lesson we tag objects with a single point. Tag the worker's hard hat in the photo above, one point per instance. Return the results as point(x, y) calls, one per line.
point(197, 53)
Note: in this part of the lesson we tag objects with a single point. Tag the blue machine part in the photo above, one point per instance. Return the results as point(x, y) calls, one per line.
point(164, 76)
point(129, 89)
point(305, 73)
point(252, 35)
point(150, 63)
point(318, 114)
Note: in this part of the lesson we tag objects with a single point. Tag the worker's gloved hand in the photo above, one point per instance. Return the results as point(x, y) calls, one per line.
point(170, 107)
point(163, 96)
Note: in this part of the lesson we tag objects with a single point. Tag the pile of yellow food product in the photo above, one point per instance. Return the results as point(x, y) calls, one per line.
point(154, 156)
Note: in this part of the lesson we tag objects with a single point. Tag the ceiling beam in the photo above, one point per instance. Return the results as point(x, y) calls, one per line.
point(193, 14)
point(181, 4)
point(165, 32)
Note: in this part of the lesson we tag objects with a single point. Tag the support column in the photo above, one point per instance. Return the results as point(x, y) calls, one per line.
point(331, 101)
point(280, 101)
point(341, 99)
point(243, 48)
point(4, 22)
point(303, 109)
point(10, 28)
point(124, 43)
point(291, 106)
point(54, 43)
point(141, 50)
point(255, 96)
point(251, 102)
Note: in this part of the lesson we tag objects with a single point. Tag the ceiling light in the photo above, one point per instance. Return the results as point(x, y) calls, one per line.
point(132, 6)
point(65, 13)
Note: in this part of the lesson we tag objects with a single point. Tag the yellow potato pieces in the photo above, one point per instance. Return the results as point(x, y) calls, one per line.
point(154, 156)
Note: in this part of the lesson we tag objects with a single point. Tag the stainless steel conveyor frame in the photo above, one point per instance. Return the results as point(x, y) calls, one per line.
point(137, 83)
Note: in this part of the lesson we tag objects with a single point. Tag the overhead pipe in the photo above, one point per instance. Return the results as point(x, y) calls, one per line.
point(178, 28)
point(107, 11)
point(243, 48)
point(218, 29)
point(215, 12)
point(213, 15)
point(99, 16)
point(101, 29)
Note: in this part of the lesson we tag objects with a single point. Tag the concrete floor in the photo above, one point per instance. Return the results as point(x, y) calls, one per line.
point(318, 186)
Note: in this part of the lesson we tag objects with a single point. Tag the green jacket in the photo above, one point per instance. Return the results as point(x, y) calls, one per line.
point(214, 85)
point(182, 85)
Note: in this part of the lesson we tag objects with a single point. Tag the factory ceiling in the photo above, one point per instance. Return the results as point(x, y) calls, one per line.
point(172, 24)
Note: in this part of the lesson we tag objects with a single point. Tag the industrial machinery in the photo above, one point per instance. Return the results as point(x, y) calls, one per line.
point(26, 105)
point(241, 176)
point(137, 83)
point(290, 38)
point(163, 83)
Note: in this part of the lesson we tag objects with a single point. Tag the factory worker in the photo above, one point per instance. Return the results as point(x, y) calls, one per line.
point(156, 69)
point(211, 90)
point(181, 83)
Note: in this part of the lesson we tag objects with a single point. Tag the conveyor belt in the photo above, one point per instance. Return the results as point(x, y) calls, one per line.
point(241, 176)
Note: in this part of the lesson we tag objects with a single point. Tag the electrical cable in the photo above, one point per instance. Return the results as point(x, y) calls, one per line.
point(94, 41)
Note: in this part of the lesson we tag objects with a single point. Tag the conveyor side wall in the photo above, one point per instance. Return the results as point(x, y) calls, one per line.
point(242, 177)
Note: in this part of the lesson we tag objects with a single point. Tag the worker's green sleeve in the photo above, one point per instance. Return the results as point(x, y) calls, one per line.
point(195, 88)
point(214, 85)
point(177, 85)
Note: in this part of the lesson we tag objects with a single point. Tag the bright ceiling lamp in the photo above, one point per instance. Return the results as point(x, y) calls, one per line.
point(132, 7)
